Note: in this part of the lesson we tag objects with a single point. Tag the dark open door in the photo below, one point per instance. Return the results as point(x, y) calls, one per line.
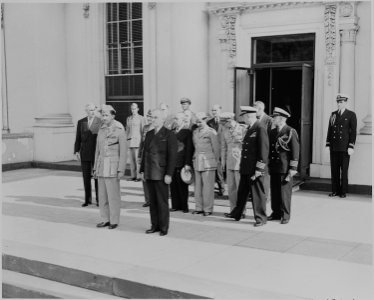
point(243, 82)
point(306, 125)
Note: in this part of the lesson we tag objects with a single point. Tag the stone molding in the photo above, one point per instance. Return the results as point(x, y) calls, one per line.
point(54, 120)
point(227, 34)
point(243, 6)
point(86, 10)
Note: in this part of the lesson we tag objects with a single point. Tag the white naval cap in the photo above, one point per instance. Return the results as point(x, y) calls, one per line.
point(247, 110)
point(341, 96)
point(281, 112)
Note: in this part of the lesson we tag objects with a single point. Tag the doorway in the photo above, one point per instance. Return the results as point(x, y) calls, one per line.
point(282, 75)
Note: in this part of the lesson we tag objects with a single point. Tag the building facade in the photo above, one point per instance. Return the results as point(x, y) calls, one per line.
point(58, 57)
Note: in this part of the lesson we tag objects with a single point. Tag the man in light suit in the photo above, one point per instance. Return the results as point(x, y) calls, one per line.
point(84, 149)
point(134, 131)
point(157, 168)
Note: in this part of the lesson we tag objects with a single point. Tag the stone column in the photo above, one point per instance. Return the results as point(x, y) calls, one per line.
point(4, 90)
point(348, 27)
point(53, 128)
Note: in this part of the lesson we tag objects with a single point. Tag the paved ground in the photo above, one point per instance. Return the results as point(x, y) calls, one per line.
point(325, 252)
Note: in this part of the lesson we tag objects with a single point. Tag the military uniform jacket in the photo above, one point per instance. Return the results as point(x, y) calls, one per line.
point(159, 154)
point(134, 130)
point(206, 155)
point(85, 140)
point(255, 150)
point(184, 148)
point(111, 150)
point(284, 150)
point(231, 146)
point(342, 131)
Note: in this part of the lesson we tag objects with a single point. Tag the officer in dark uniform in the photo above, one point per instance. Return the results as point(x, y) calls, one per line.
point(341, 139)
point(253, 167)
point(284, 157)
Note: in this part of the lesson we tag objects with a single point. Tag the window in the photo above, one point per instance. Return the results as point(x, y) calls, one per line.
point(287, 48)
point(124, 49)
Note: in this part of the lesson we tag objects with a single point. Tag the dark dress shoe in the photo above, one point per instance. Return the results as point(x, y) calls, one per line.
point(112, 226)
point(258, 224)
point(162, 233)
point(131, 179)
point(197, 212)
point(86, 204)
point(145, 204)
point(152, 230)
point(273, 218)
point(243, 216)
point(103, 224)
point(207, 214)
point(186, 211)
point(228, 215)
point(343, 196)
point(284, 221)
point(173, 209)
point(333, 194)
point(137, 179)
point(97, 204)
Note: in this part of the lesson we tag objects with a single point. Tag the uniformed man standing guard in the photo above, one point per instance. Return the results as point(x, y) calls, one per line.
point(341, 139)
point(253, 166)
point(284, 157)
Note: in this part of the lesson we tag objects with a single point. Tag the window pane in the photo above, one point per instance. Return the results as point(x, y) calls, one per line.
point(137, 30)
point(138, 58)
point(108, 12)
point(114, 11)
point(137, 10)
point(123, 11)
point(126, 60)
point(123, 32)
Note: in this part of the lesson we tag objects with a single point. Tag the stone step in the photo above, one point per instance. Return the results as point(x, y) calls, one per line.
point(120, 279)
point(18, 285)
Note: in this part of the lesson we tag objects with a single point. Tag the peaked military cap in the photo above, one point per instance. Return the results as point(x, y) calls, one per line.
point(283, 112)
point(247, 110)
point(185, 100)
point(342, 97)
point(226, 116)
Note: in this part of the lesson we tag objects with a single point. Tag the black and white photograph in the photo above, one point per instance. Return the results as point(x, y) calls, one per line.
point(187, 150)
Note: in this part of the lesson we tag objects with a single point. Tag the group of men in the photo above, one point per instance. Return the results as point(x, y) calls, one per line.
point(259, 158)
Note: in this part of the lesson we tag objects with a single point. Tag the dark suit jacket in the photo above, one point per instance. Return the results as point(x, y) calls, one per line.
point(213, 124)
point(267, 122)
point(284, 150)
point(159, 154)
point(85, 140)
point(255, 150)
point(184, 148)
point(342, 131)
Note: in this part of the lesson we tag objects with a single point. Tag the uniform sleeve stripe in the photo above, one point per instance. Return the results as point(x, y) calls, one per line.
point(293, 163)
point(260, 165)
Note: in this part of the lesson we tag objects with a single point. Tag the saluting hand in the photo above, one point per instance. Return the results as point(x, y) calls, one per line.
point(167, 179)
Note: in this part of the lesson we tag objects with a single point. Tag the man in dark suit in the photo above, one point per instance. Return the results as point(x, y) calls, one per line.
point(341, 139)
point(284, 158)
point(267, 122)
point(84, 149)
point(253, 167)
point(178, 188)
point(215, 124)
point(157, 168)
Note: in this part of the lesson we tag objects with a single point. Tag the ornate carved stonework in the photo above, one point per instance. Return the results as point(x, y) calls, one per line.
point(227, 34)
point(346, 9)
point(152, 5)
point(330, 34)
point(2, 15)
point(348, 35)
point(86, 10)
